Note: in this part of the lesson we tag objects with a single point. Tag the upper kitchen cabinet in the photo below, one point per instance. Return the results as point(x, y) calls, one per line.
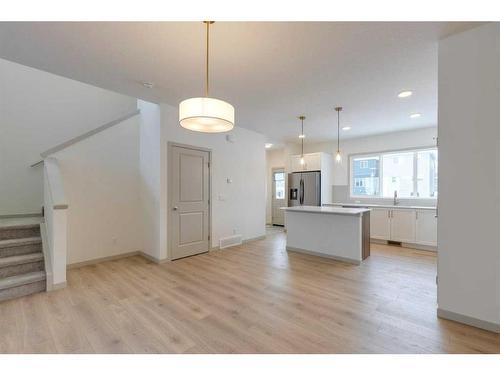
point(312, 162)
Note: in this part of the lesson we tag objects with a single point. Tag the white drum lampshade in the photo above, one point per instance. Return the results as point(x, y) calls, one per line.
point(206, 115)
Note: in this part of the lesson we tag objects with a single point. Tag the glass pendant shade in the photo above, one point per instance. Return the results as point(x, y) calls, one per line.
point(206, 115)
point(338, 157)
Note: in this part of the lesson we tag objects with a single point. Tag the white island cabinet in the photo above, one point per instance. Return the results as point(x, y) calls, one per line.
point(333, 232)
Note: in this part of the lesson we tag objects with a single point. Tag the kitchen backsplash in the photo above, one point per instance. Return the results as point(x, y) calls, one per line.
point(341, 195)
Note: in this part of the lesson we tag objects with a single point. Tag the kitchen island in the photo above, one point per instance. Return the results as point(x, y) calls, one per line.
point(333, 232)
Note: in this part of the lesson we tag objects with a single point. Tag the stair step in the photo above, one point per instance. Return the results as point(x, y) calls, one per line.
point(18, 280)
point(20, 259)
point(20, 242)
point(19, 231)
point(20, 246)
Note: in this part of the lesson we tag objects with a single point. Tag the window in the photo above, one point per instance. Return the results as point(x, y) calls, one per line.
point(279, 185)
point(397, 174)
point(412, 174)
point(365, 172)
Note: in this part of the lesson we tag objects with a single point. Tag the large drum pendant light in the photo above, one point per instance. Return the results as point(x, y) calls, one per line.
point(205, 114)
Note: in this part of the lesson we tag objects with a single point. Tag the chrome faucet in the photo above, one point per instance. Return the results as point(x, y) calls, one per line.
point(396, 202)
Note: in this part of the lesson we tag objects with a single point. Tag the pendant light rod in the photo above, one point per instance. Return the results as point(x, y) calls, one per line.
point(207, 83)
point(302, 118)
point(338, 109)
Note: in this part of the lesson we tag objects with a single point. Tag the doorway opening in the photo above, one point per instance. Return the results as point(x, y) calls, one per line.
point(279, 197)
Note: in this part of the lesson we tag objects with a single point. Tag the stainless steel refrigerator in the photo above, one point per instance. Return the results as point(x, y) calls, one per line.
point(304, 189)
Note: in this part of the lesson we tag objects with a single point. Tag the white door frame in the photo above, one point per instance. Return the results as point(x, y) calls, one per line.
point(273, 170)
point(170, 146)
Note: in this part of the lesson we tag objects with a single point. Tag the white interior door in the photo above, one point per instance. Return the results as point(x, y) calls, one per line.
point(189, 211)
point(279, 196)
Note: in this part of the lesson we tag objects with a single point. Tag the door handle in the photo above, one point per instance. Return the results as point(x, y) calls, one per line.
point(175, 208)
point(301, 191)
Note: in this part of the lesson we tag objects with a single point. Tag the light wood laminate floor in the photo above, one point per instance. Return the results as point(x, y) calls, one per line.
point(255, 298)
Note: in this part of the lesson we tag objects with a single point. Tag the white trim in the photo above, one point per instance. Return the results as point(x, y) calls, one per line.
point(469, 320)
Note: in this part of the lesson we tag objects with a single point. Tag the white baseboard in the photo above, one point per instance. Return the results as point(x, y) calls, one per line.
point(483, 324)
point(152, 258)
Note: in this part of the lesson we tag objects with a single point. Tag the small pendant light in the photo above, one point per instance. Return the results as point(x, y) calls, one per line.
point(338, 156)
point(205, 114)
point(302, 136)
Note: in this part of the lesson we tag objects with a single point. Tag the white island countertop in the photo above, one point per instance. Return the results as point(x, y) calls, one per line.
point(330, 210)
point(374, 205)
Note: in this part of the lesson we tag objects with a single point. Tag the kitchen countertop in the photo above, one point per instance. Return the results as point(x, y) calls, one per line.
point(380, 206)
point(327, 210)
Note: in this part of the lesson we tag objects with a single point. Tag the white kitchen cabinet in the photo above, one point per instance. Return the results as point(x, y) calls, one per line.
point(295, 165)
point(410, 226)
point(403, 225)
point(312, 162)
point(380, 224)
point(426, 227)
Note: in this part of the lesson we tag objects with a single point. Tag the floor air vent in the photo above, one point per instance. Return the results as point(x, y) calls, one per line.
point(230, 241)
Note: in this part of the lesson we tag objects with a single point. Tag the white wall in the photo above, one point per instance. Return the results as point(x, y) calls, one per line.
point(274, 159)
point(383, 142)
point(150, 172)
point(101, 182)
point(238, 207)
point(39, 110)
point(469, 174)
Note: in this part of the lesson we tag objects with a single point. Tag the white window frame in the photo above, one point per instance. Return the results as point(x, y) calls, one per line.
point(380, 155)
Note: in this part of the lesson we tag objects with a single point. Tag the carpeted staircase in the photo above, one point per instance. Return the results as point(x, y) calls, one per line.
point(22, 266)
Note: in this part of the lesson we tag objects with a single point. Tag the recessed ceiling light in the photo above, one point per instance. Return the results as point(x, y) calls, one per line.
point(268, 145)
point(415, 115)
point(346, 128)
point(405, 94)
point(302, 136)
point(148, 85)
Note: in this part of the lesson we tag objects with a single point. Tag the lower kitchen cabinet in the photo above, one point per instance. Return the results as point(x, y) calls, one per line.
point(426, 227)
point(403, 225)
point(380, 224)
point(412, 226)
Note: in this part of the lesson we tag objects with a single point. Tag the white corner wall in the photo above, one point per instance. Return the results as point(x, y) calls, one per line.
point(101, 182)
point(237, 207)
point(39, 110)
point(469, 177)
point(150, 172)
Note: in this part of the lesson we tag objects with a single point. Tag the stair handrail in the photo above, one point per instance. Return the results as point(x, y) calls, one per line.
point(83, 136)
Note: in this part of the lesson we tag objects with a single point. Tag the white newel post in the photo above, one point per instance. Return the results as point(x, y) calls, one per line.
point(56, 208)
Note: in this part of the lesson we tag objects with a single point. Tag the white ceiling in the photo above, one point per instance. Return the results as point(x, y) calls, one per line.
point(270, 71)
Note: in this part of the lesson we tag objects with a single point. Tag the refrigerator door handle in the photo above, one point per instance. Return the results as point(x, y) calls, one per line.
point(301, 191)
